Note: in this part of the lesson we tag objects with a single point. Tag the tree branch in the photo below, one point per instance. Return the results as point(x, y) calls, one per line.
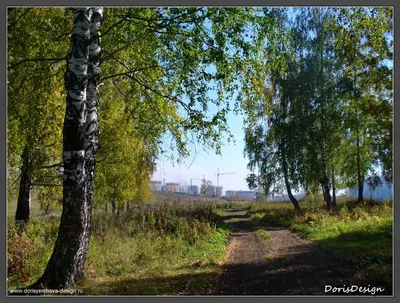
point(45, 184)
point(20, 17)
point(106, 31)
point(53, 165)
point(16, 179)
point(119, 90)
point(55, 60)
point(134, 71)
point(131, 75)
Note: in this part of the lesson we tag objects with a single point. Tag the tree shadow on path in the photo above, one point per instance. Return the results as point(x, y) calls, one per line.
point(286, 265)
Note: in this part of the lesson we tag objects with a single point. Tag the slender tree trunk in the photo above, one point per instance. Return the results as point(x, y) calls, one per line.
point(113, 207)
point(360, 178)
point(360, 192)
point(291, 197)
point(324, 180)
point(333, 188)
point(91, 123)
point(287, 183)
point(120, 210)
point(65, 266)
point(24, 195)
point(106, 208)
point(325, 190)
point(46, 209)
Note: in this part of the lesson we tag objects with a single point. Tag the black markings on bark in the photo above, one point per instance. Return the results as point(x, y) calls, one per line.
point(65, 266)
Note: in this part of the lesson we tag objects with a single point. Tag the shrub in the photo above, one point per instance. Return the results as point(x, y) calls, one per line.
point(17, 248)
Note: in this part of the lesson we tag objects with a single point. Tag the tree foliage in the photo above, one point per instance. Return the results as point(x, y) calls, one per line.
point(324, 70)
point(159, 65)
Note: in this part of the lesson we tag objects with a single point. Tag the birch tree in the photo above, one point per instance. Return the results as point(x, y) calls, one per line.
point(363, 42)
point(65, 266)
point(271, 134)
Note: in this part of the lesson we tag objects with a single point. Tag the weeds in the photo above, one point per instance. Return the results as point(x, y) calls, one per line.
point(360, 233)
point(264, 234)
point(136, 245)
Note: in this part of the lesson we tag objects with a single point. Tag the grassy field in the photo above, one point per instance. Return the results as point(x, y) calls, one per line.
point(170, 250)
point(175, 247)
point(360, 234)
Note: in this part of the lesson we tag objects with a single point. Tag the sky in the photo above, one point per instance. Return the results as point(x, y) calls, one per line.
point(205, 164)
point(202, 163)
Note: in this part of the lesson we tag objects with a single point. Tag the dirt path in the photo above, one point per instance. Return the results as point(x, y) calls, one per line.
point(284, 265)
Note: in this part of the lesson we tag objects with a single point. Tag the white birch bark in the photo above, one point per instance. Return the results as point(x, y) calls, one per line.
point(65, 266)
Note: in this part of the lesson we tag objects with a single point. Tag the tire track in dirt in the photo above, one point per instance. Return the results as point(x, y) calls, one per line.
point(284, 265)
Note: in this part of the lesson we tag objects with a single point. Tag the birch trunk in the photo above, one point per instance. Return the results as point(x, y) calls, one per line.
point(333, 188)
point(325, 190)
point(291, 197)
point(91, 123)
point(65, 266)
point(287, 183)
point(324, 180)
point(360, 179)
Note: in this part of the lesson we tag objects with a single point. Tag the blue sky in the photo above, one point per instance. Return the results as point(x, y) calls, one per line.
point(205, 163)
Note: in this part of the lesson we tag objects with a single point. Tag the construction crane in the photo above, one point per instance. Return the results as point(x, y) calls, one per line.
point(218, 173)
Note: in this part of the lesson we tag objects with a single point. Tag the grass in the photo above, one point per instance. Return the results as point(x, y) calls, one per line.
point(233, 220)
point(167, 251)
point(264, 234)
point(176, 248)
point(360, 234)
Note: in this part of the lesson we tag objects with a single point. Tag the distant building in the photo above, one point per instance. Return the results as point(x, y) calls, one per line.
point(230, 193)
point(193, 190)
point(219, 191)
point(211, 191)
point(173, 187)
point(155, 185)
point(381, 192)
point(276, 198)
point(279, 198)
point(183, 189)
point(239, 194)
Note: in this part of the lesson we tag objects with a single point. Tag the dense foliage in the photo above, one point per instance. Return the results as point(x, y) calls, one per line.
point(323, 115)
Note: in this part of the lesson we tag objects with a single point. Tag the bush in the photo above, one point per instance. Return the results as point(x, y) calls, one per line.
point(18, 247)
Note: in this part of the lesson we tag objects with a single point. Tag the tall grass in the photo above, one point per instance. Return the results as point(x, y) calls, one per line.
point(169, 240)
point(359, 233)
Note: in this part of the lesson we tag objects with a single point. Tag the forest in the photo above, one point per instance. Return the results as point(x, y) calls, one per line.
point(93, 93)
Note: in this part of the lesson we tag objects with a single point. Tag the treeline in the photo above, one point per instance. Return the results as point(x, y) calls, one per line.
point(92, 93)
point(322, 118)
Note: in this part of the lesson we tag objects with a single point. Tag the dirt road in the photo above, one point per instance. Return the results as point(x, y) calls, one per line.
point(284, 265)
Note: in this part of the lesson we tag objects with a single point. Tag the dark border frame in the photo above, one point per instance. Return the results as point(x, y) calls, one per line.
point(3, 136)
